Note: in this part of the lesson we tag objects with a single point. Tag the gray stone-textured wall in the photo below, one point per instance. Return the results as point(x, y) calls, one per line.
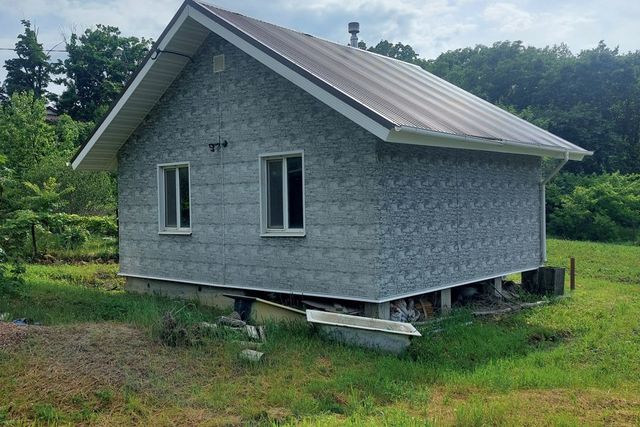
point(454, 216)
point(258, 112)
point(382, 220)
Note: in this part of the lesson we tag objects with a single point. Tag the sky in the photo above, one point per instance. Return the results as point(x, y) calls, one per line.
point(429, 26)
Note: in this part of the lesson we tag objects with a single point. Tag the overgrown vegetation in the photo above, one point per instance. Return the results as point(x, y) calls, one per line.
point(595, 207)
point(47, 210)
point(99, 360)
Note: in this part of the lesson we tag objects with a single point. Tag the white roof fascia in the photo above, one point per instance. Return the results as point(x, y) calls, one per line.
point(130, 90)
point(417, 136)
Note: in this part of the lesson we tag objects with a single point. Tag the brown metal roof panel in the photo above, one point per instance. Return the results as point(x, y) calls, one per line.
point(399, 92)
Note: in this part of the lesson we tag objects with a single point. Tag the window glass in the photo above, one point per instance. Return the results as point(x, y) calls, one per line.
point(294, 192)
point(275, 211)
point(183, 173)
point(170, 214)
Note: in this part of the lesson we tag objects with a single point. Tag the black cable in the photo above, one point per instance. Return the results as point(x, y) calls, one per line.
point(156, 52)
point(50, 50)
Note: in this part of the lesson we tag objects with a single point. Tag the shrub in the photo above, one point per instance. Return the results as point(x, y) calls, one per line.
point(54, 231)
point(74, 236)
point(598, 207)
point(11, 272)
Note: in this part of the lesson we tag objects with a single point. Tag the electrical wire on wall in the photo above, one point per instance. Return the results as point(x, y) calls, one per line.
point(456, 172)
point(224, 220)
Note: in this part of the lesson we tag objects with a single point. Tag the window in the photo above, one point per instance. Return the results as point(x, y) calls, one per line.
point(282, 194)
point(174, 198)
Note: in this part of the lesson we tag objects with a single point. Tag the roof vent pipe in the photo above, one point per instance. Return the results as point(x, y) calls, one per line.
point(354, 29)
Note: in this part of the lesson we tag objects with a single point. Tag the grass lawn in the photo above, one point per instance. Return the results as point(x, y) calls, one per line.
point(96, 360)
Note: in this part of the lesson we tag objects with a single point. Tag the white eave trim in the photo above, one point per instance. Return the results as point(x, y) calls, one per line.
point(130, 90)
point(417, 136)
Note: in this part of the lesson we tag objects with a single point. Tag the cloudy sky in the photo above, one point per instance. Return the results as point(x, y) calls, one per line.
point(430, 26)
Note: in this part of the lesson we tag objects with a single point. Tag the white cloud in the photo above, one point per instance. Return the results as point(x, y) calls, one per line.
point(508, 17)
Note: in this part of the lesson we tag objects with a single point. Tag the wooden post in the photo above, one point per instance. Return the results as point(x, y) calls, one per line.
point(572, 274)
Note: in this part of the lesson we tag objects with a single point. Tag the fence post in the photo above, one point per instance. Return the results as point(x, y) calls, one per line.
point(572, 274)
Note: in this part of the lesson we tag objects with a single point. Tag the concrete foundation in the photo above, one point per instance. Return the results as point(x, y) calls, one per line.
point(378, 310)
point(205, 295)
point(497, 287)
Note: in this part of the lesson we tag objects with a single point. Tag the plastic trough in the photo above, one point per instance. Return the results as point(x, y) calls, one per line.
point(260, 310)
point(377, 334)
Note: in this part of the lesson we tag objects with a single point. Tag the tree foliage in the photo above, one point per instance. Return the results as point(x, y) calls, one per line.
point(403, 52)
point(99, 63)
point(595, 207)
point(31, 70)
point(25, 137)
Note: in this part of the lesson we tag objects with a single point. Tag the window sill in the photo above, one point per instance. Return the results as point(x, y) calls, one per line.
point(176, 232)
point(298, 233)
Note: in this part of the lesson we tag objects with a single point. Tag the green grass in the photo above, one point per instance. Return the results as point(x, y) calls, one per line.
point(97, 248)
point(573, 362)
point(71, 293)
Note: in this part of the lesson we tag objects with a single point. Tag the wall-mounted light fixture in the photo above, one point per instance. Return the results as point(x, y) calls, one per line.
point(218, 145)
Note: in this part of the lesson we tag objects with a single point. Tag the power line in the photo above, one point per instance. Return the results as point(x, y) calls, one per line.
point(14, 49)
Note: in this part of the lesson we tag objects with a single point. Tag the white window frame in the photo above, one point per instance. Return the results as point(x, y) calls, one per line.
point(285, 231)
point(162, 229)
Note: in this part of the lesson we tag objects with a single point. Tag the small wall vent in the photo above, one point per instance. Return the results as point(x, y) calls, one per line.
point(218, 63)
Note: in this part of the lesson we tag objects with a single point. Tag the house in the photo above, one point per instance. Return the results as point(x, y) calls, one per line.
point(52, 114)
point(251, 157)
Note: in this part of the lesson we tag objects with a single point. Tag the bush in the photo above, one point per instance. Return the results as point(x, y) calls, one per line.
point(94, 193)
point(74, 236)
point(53, 231)
point(597, 207)
point(10, 274)
point(105, 226)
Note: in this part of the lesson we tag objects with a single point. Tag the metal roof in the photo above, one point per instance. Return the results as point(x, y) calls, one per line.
point(401, 94)
point(397, 101)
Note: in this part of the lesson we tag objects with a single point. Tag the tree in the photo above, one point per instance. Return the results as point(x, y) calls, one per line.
point(25, 137)
point(34, 210)
point(31, 70)
point(403, 52)
point(95, 193)
point(99, 63)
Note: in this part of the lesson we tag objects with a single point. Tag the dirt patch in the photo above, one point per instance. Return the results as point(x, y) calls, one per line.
point(107, 354)
point(12, 335)
point(83, 363)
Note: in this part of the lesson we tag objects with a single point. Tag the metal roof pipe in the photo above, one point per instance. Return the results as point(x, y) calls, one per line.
point(354, 29)
point(543, 210)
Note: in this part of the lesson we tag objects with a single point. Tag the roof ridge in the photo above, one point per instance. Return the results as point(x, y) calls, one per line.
point(345, 46)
